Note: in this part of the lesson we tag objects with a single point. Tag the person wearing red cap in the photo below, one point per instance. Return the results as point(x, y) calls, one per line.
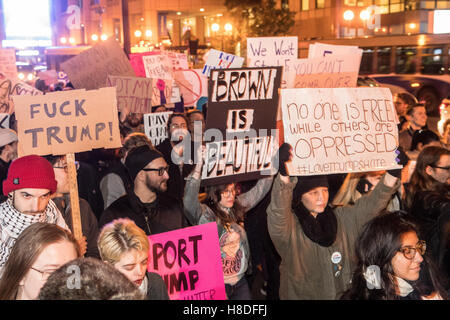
point(28, 186)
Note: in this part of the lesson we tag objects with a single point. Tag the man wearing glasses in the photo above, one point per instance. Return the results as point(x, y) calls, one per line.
point(175, 156)
point(28, 186)
point(147, 204)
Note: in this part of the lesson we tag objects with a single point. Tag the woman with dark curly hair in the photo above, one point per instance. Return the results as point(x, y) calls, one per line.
point(392, 264)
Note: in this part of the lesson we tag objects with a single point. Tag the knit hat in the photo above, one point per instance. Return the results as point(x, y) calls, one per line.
point(139, 157)
point(7, 136)
point(307, 183)
point(30, 172)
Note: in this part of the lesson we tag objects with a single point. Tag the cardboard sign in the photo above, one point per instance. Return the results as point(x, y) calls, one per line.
point(221, 60)
point(328, 72)
point(49, 76)
point(189, 262)
point(178, 60)
point(67, 122)
point(157, 66)
point(4, 120)
point(90, 68)
point(133, 94)
point(138, 64)
point(193, 85)
point(11, 87)
point(162, 92)
point(155, 126)
point(242, 107)
point(271, 51)
point(321, 50)
point(8, 66)
point(339, 130)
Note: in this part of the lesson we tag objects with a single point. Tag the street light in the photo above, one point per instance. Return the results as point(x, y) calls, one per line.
point(94, 37)
point(138, 33)
point(364, 15)
point(349, 15)
point(215, 27)
point(148, 33)
point(104, 37)
point(228, 27)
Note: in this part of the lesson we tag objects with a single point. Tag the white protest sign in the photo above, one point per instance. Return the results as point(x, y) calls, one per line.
point(193, 85)
point(339, 130)
point(157, 66)
point(8, 63)
point(271, 51)
point(327, 72)
point(4, 120)
point(155, 126)
point(320, 50)
point(10, 88)
point(178, 60)
point(221, 60)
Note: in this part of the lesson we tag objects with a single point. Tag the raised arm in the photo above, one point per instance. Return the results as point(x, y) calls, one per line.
point(253, 196)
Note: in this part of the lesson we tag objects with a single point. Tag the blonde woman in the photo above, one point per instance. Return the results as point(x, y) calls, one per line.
point(124, 245)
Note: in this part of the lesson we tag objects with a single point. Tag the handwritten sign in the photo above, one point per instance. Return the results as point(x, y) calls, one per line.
point(177, 60)
point(320, 50)
point(10, 87)
point(271, 51)
point(67, 122)
point(189, 262)
point(138, 64)
point(339, 130)
point(162, 91)
point(91, 67)
point(134, 94)
point(4, 120)
point(155, 126)
point(327, 72)
point(221, 60)
point(8, 63)
point(157, 66)
point(193, 85)
point(242, 106)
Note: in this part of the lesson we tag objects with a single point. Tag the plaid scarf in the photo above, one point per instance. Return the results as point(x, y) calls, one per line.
point(13, 222)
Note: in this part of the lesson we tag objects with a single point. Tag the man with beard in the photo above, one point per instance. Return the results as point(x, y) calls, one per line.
point(147, 204)
point(29, 186)
point(174, 150)
point(134, 122)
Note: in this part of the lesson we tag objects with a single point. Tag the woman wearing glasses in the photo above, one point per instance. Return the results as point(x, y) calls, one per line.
point(391, 263)
point(428, 201)
point(39, 250)
point(226, 208)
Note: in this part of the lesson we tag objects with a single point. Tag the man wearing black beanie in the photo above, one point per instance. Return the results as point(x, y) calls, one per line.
point(147, 203)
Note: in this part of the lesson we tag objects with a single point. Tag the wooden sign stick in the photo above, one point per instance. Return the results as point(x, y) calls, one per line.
point(74, 200)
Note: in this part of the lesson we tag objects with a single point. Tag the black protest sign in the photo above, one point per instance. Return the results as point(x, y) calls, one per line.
point(242, 108)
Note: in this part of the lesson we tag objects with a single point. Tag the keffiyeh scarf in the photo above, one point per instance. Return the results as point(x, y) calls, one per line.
point(13, 223)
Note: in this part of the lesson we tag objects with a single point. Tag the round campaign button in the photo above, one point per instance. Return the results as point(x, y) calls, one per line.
point(336, 257)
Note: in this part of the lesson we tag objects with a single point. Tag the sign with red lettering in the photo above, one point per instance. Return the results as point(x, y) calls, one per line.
point(189, 261)
point(339, 130)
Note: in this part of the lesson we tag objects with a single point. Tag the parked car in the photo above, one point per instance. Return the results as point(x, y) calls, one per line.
point(444, 109)
point(366, 81)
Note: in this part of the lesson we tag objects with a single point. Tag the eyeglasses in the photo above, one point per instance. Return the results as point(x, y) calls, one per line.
point(160, 170)
point(44, 274)
point(410, 252)
point(443, 168)
point(66, 168)
point(229, 192)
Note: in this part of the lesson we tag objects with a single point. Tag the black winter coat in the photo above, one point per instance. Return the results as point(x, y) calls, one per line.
point(163, 215)
point(431, 211)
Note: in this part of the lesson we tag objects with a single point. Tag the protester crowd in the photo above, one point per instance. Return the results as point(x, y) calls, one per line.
point(371, 235)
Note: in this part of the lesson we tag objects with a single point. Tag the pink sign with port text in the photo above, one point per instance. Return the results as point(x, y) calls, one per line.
point(189, 262)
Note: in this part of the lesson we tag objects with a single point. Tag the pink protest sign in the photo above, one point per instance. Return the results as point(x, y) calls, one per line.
point(189, 262)
point(138, 64)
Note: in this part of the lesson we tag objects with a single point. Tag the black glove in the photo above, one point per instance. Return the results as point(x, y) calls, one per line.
point(401, 159)
point(284, 154)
